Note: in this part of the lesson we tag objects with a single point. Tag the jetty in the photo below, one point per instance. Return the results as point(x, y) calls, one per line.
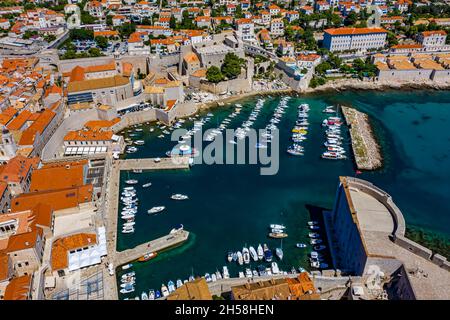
point(118, 258)
point(157, 245)
point(365, 149)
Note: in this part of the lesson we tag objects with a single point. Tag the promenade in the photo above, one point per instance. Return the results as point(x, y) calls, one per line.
point(118, 258)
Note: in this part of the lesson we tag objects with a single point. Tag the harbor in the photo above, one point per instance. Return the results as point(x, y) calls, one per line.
point(293, 197)
point(365, 149)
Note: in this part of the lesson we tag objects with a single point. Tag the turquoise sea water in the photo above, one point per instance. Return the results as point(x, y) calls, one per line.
point(232, 205)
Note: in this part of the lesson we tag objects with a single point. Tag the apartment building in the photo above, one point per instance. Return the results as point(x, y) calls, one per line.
point(359, 39)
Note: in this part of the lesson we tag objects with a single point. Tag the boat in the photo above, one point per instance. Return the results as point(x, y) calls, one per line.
point(248, 273)
point(137, 170)
point(129, 224)
point(253, 253)
point(235, 256)
point(319, 247)
point(279, 253)
point(131, 181)
point(312, 223)
point(213, 277)
point(315, 264)
point(179, 196)
point(128, 274)
point(314, 227)
point(230, 256)
point(300, 245)
point(127, 266)
point(156, 209)
point(275, 269)
point(179, 283)
point(127, 216)
point(277, 226)
point(241, 274)
point(151, 294)
point(240, 258)
point(267, 253)
point(313, 235)
point(157, 294)
point(278, 235)
point(226, 274)
point(246, 255)
point(260, 252)
point(164, 290)
point(126, 230)
point(177, 228)
point(171, 286)
point(148, 256)
point(146, 185)
point(316, 241)
point(208, 277)
point(157, 160)
point(277, 231)
point(218, 275)
point(127, 290)
point(144, 296)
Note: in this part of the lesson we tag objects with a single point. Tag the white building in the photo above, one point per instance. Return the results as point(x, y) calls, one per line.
point(432, 38)
point(246, 29)
point(277, 27)
point(360, 39)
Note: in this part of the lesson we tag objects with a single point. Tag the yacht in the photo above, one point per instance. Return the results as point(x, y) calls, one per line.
point(253, 253)
point(148, 256)
point(316, 241)
point(279, 253)
point(151, 294)
point(314, 227)
point(208, 277)
point(248, 273)
point(171, 286)
point(156, 209)
point(278, 235)
point(146, 185)
point(179, 196)
point(128, 274)
point(240, 258)
point(218, 275)
point(177, 228)
point(267, 253)
point(128, 230)
point(275, 269)
point(226, 274)
point(213, 277)
point(131, 181)
point(139, 142)
point(277, 226)
point(319, 247)
point(157, 294)
point(179, 283)
point(313, 235)
point(127, 290)
point(144, 296)
point(246, 255)
point(300, 245)
point(260, 252)
point(164, 290)
point(241, 274)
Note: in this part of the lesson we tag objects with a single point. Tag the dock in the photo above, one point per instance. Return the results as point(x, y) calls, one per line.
point(365, 149)
point(166, 242)
point(152, 164)
point(157, 245)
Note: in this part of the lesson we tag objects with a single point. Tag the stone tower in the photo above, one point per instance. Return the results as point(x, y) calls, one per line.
point(8, 144)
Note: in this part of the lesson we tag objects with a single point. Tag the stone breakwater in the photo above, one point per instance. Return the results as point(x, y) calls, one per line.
point(365, 149)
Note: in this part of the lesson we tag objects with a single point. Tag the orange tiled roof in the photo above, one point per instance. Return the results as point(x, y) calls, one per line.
point(18, 288)
point(61, 246)
point(38, 126)
point(430, 33)
point(54, 178)
point(17, 168)
point(99, 124)
point(191, 57)
point(7, 115)
point(4, 266)
point(353, 31)
point(23, 241)
point(19, 121)
point(56, 199)
point(88, 135)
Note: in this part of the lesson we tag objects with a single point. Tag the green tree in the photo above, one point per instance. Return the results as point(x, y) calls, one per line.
point(86, 18)
point(102, 42)
point(81, 34)
point(238, 13)
point(94, 52)
point(109, 20)
point(232, 64)
point(126, 29)
point(214, 75)
point(173, 22)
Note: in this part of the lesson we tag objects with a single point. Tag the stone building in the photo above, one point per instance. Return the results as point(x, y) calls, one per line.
point(360, 39)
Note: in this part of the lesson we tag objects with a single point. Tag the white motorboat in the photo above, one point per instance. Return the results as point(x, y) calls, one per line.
point(179, 196)
point(241, 274)
point(275, 269)
point(240, 258)
point(253, 253)
point(164, 290)
point(144, 296)
point(226, 274)
point(260, 252)
point(218, 275)
point(131, 181)
point(177, 228)
point(127, 266)
point(179, 283)
point(146, 185)
point(151, 294)
point(246, 255)
point(156, 209)
point(279, 253)
point(277, 226)
point(213, 277)
point(248, 273)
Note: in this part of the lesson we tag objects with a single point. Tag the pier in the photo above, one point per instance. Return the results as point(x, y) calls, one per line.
point(365, 149)
point(157, 245)
point(118, 258)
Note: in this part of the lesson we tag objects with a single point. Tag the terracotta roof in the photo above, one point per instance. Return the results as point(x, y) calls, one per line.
point(60, 248)
point(94, 84)
point(54, 89)
point(106, 33)
point(353, 31)
point(53, 178)
point(4, 266)
point(19, 121)
point(17, 168)
point(200, 73)
point(56, 199)
point(39, 125)
point(430, 33)
point(98, 124)
point(23, 241)
point(88, 135)
point(194, 290)
point(7, 115)
point(18, 288)
point(191, 57)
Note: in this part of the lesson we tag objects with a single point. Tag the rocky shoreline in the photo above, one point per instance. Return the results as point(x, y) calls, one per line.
point(366, 151)
point(356, 84)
